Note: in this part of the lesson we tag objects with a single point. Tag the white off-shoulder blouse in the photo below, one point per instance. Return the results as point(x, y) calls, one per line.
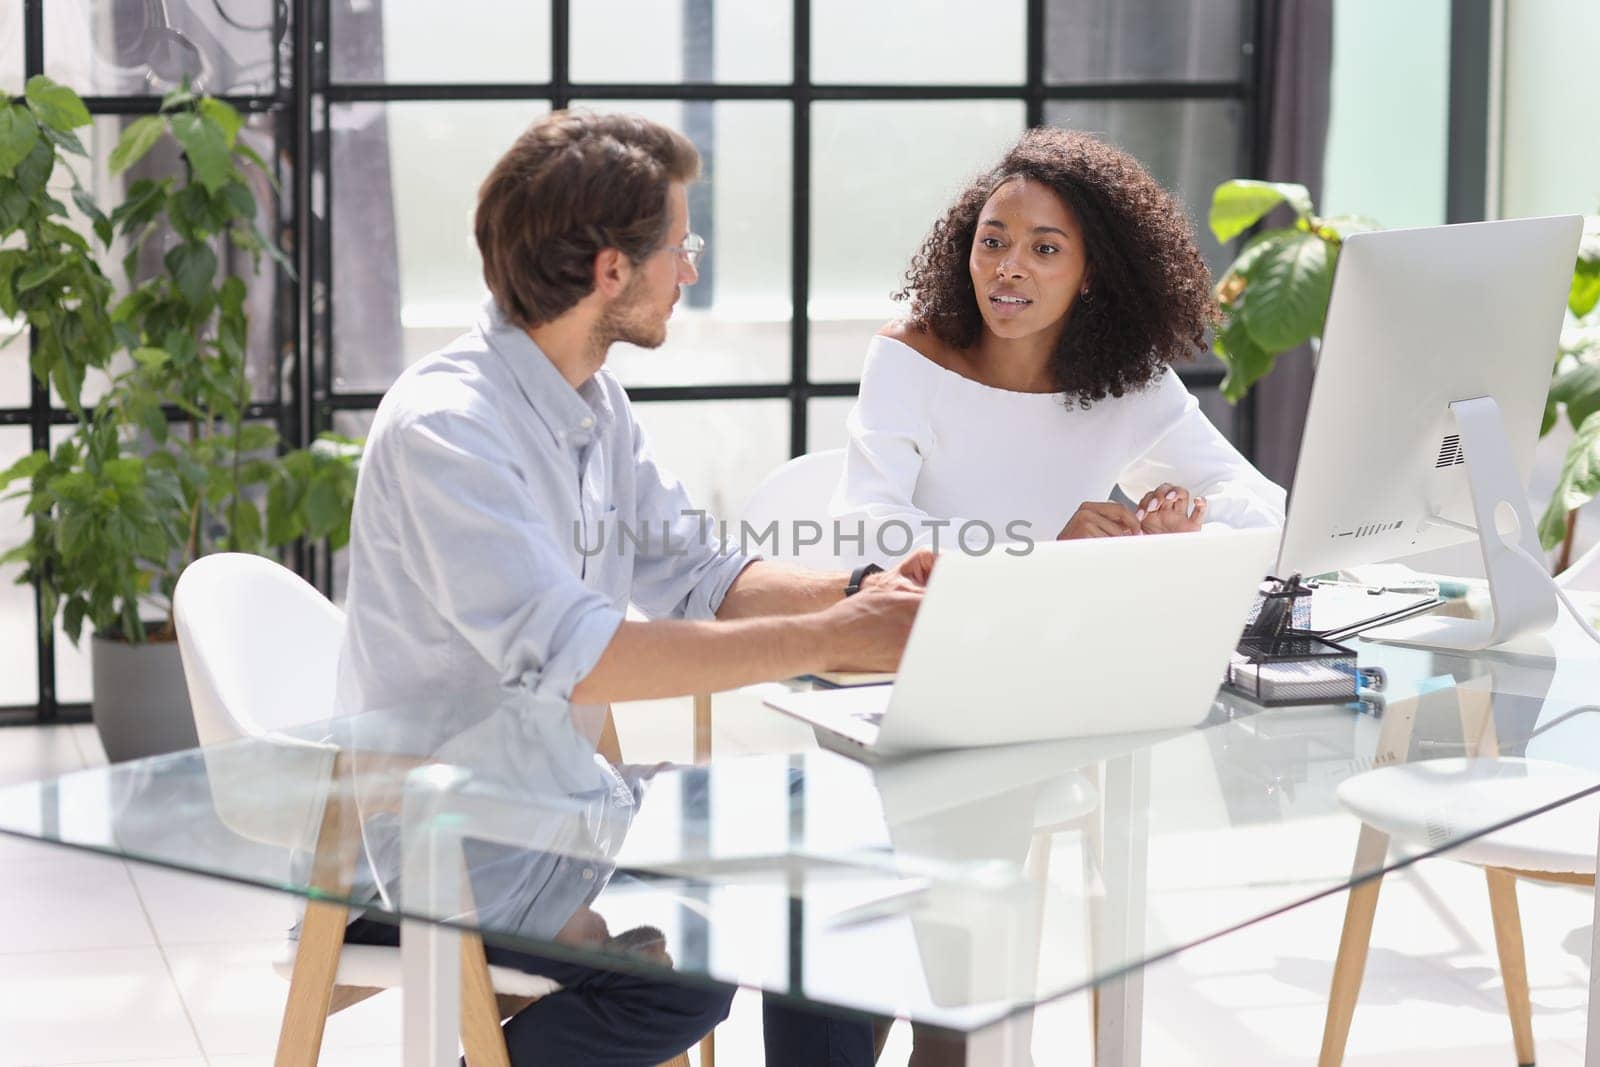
point(936, 455)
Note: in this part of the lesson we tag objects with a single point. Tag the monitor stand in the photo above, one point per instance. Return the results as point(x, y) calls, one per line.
point(1522, 601)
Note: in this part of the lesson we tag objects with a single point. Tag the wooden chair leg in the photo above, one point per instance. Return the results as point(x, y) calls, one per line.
point(702, 727)
point(1351, 962)
point(316, 961)
point(347, 996)
point(316, 958)
point(1513, 963)
point(481, 1036)
point(708, 1050)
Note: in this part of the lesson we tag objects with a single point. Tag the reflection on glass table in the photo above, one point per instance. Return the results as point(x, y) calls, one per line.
point(958, 889)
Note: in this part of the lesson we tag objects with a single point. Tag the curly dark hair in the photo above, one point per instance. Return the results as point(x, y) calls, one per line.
point(1150, 299)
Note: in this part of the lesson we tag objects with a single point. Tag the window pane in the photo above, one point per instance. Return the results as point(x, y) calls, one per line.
point(682, 41)
point(466, 41)
point(881, 174)
point(12, 61)
point(1145, 40)
point(106, 47)
point(719, 449)
point(825, 422)
point(19, 666)
point(406, 277)
point(1189, 145)
point(733, 325)
point(918, 42)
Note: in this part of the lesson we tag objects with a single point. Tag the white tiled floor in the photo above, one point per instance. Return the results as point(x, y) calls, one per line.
point(103, 963)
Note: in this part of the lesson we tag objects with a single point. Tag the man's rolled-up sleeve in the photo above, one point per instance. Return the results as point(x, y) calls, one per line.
point(686, 574)
point(473, 541)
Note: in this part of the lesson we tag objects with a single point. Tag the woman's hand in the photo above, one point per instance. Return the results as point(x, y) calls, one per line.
point(1099, 518)
point(1167, 509)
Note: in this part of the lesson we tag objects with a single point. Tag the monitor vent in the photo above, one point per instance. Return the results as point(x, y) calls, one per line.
point(1369, 529)
point(1450, 453)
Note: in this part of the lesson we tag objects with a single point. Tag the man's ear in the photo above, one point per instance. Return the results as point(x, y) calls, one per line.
point(612, 272)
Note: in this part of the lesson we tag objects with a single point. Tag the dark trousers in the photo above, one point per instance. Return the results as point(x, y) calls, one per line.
point(799, 1037)
point(599, 1018)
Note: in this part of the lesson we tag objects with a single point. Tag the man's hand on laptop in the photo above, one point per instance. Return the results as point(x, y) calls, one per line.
point(867, 632)
point(910, 575)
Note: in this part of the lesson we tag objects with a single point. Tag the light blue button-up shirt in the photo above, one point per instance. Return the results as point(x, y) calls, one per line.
point(503, 522)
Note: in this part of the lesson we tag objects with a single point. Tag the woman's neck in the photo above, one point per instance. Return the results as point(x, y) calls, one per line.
point(1016, 364)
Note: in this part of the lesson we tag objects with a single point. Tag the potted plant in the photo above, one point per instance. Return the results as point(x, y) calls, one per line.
point(1274, 297)
point(165, 466)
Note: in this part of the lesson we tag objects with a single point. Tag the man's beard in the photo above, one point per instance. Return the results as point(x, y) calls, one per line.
point(628, 318)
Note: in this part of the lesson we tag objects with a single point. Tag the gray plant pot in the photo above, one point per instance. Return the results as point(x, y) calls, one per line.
point(141, 704)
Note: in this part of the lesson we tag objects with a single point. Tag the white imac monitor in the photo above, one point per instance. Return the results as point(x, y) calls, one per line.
point(1431, 381)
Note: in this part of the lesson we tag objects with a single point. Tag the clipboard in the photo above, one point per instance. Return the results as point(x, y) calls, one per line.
point(1339, 610)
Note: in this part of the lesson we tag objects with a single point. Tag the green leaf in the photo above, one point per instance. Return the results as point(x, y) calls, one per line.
point(97, 218)
point(144, 201)
point(14, 206)
point(240, 199)
point(35, 169)
point(206, 146)
point(1579, 389)
point(246, 521)
point(223, 114)
point(150, 358)
point(1239, 204)
point(1342, 226)
point(255, 157)
point(38, 274)
point(26, 467)
point(192, 267)
point(56, 105)
point(1286, 294)
point(18, 135)
point(140, 136)
point(284, 522)
point(1585, 292)
point(254, 438)
point(1578, 484)
point(1246, 361)
point(67, 377)
point(65, 140)
point(324, 507)
point(1552, 414)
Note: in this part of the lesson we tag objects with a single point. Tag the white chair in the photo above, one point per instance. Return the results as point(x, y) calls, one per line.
point(799, 492)
point(1432, 801)
point(260, 652)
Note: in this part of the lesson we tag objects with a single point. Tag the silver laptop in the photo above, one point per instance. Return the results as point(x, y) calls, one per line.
point(1074, 639)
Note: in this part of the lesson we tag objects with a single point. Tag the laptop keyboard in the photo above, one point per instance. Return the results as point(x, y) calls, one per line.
point(871, 718)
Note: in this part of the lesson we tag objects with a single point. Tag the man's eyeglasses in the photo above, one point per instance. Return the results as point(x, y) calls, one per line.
point(691, 251)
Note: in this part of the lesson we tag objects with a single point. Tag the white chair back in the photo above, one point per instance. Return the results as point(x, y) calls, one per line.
point(260, 650)
point(260, 646)
point(798, 493)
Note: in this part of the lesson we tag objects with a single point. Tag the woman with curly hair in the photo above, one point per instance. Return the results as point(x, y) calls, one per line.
point(1034, 371)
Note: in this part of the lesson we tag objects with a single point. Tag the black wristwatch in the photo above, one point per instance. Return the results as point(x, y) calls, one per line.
point(860, 575)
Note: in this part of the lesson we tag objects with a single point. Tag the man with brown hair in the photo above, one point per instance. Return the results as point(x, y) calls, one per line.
point(482, 620)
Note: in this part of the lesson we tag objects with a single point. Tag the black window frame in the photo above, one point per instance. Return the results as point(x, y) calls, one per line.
point(301, 106)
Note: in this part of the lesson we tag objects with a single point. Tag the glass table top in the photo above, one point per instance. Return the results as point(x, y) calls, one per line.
point(954, 888)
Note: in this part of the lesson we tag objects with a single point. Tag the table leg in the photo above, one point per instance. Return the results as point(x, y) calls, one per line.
point(1591, 1045)
point(1004, 1043)
point(430, 953)
point(1119, 1002)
